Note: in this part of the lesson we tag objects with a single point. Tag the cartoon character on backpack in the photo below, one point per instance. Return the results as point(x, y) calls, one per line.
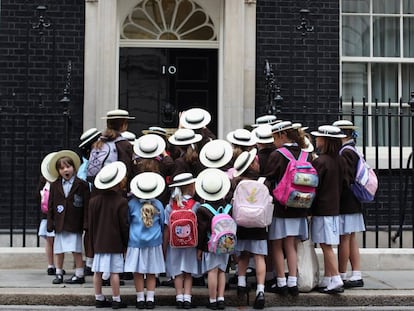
point(183, 225)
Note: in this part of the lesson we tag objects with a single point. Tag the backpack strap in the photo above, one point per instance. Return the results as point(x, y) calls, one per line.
point(210, 208)
point(261, 180)
point(303, 156)
point(350, 148)
point(227, 208)
point(286, 153)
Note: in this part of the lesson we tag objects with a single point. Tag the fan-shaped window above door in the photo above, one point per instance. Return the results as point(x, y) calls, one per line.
point(168, 20)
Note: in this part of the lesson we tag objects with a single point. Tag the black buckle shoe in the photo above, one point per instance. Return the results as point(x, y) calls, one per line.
point(51, 271)
point(140, 304)
point(212, 305)
point(259, 302)
point(243, 291)
point(58, 279)
point(118, 305)
point(103, 303)
point(356, 283)
point(75, 280)
point(293, 290)
point(221, 305)
point(282, 291)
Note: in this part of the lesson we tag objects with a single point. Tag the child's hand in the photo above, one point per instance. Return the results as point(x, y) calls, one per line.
point(199, 253)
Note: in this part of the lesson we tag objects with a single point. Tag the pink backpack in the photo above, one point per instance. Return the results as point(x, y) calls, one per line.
point(297, 188)
point(252, 204)
point(44, 194)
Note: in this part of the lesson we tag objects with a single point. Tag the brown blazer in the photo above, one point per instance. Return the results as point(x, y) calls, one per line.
point(68, 214)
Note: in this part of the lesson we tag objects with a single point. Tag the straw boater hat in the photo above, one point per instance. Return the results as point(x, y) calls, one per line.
point(60, 154)
point(243, 161)
point(155, 130)
point(184, 137)
point(118, 114)
point(45, 169)
point(212, 184)
point(149, 146)
point(328, 131)
point(89, 136)
point(345, 125)
point(263, 134)
point(182, 180)
point(147, 185)
point(131, 137)
point(216, 153)
point(241, 137)
point(195, 118)
point(284, 126)
point(309, 146)
point(267, 119)
point(110, 175)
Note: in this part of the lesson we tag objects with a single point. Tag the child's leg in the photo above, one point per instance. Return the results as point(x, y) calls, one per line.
point(151, 282)
point(329, 259)
point(49, 251)
point(114, 285)
point(188, 283)
point(354, 255)
point(212, 278)
point(179, 284)
point(79, 272)
point(59, 258)
point(242, 268)
point(343, 254)
point(260, 269)
point(97, 283)
point(221, 283)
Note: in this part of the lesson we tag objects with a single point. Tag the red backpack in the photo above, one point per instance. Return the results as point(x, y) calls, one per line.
point(183, 225)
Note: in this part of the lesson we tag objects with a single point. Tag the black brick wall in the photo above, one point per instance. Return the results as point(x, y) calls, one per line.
point(33, 76)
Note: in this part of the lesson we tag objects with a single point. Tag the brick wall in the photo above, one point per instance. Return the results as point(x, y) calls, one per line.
point(33, 75)
point(305, 67)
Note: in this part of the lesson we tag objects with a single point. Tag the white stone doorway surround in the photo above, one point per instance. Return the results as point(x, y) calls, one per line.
point(236, 41)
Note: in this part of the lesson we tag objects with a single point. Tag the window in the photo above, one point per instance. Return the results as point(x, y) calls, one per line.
point(377, 63)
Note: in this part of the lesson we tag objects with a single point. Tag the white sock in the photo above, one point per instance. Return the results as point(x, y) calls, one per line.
point(292, 281)
point(140, 296)
point(356, 275)
point(336, 282)
point(179, 297)
point(241, 280)
point(220, 298)
point(88, 262)
point(187, 297)
point(59, 271)
point(79, 272)
point(212, 300)
point(259, 288)
point(343, 276)
point(281, 282)
point(50, 266)
point(150, 295)
point(116, 298)
point(325, 281)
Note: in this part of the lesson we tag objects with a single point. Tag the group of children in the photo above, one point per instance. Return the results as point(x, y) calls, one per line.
point(123, 216)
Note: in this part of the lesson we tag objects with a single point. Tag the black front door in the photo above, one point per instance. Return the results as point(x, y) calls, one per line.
point(156, 84)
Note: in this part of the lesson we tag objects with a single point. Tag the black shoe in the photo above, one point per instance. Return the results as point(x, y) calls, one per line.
point(150, 305)
point(282, 291)
point(58, 279)
point(103, 303)
point(259, 302)
point(118, 305)
point(250, 272)
point(169, 283)
point(355, 283)
point(293, 290)
point(140, 304)
point(337, 290)
point(157, 282)
point(51, 271)
point(212, 305)
point(269, 283)
point(187, 305)
point(243, 291)
point(199, 281)
point(88, 271)
point(75, 280)
point(179, 304)
point(221, 305)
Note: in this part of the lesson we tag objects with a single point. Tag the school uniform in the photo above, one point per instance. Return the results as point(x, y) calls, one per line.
point(351, 218)
point(181, 260)
point(209, 261)
point(286, 221)
point(68, 213)
point(325, 207)
point(108, 228)
point(144, 253)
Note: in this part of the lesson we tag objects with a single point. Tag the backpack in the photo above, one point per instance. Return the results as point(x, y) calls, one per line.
point(223, 236)
point(99, 157)
point(44, 194)
point(297, 188)
point(366, 182)
point(252, 204)
point(183, 225)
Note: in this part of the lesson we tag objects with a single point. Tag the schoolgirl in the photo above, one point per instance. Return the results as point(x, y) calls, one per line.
point(42, 197)
point(181, 263)
point(212, 185)
point(108, 228)
point(250, 241)
point(144, 255)
point(67, 213)
point(289, 224)
point(325, 208)
point(351, 219)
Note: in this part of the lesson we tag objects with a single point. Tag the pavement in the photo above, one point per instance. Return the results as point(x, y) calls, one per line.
point(23, 281)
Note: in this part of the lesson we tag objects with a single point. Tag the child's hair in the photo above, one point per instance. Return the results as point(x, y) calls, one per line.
point(191, 154)
point(147, 213)
point(113, 128)
point(148, 165)
point(298, 136)
point(331, 146)
point(64, 161)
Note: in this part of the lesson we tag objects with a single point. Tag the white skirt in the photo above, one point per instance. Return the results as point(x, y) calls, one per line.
point(349, 223)
point(211, 261)
point(325, 229)
point(43, 230)
point(67, 242)
point(108, 263)
point(281, 228)
point(145, 260)
point(253, 246)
